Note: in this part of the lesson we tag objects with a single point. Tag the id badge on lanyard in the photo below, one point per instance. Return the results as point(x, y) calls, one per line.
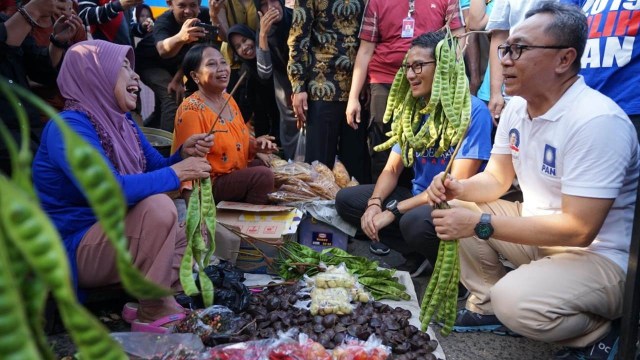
point(409, 23)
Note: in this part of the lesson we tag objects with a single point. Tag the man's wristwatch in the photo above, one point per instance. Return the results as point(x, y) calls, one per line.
point(393, 207)
point(483, 229)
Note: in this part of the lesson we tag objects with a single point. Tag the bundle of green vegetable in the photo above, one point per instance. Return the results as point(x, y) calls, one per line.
point(297, 260)
point(442, 291)
point(449, 107)
point(201, 214)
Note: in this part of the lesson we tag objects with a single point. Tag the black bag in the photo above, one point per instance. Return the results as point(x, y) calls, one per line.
point(229, 289)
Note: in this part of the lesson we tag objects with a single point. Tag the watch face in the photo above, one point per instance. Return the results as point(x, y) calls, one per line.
point(392, 205)
point(484, 231)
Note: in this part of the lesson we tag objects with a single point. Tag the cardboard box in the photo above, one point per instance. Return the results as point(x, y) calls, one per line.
point(319, 235)
point(267, 226)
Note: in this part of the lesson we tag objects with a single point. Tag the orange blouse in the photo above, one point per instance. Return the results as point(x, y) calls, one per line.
point(230, 150)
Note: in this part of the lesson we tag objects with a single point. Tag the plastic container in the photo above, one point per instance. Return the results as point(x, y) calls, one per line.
point(319, 236)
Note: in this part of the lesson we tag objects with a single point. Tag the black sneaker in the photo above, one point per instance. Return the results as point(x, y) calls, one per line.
point(605, 349)
point(469, 321)
point(379, 248)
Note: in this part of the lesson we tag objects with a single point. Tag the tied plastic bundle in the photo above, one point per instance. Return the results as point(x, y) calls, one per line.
point(213, 325)
point(283, 347)
point(333, 291)
point(354, 349)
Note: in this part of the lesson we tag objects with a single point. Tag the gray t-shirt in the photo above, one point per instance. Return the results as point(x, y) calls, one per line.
point(507, 14)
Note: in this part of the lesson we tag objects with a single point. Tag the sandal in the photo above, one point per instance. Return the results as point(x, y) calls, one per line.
point(156, 326)
point(130, 312)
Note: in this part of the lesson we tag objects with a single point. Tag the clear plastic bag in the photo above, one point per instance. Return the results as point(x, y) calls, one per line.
point(301, 146)
point(283, 347)
point(213, 325)
point(140, 345)
point(353, 349)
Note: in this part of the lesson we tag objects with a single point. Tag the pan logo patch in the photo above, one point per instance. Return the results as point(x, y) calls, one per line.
point(549, 160)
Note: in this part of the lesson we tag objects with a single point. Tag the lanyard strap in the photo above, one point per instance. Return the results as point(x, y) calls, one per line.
point(412, 8)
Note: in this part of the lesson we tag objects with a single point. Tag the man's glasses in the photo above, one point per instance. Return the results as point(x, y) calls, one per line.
point(515, 50)
point(416, 67)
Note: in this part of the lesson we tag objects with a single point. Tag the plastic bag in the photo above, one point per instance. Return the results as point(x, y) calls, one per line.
point(229, 289)
point(284, 347)
point(353, 182)
point(323, 171)
point(299, 170)
point(139, 345)
point(214, 325)
point(341, 174)
point(353, 349)
point(301, 146)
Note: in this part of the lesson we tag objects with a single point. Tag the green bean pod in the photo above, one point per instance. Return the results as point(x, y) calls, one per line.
point(186, 272)
point(89, 335)
point(209, 215)
point(34, 294)
point(393, 95)
point(16, 342)
point(206, 288)
point(33, 234)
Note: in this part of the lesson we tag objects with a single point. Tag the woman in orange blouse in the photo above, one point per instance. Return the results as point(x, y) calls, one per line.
point(235, 174)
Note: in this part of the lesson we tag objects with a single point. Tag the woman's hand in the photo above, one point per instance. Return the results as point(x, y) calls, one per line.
point(197, 145)
point(265, 144)
point(192, 168)
point(65, 27)
point(267, 19)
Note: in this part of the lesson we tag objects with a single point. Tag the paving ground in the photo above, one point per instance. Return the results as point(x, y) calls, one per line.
point(468, 346)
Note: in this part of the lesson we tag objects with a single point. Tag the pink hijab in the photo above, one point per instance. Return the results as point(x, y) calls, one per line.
point(87, 80)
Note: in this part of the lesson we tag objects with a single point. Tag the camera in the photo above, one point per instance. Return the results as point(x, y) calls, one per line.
point(212, 32)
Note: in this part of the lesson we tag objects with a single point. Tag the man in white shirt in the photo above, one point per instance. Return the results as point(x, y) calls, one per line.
point(576, 157)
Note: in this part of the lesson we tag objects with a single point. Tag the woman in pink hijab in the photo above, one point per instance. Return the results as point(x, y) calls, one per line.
point(100, 88)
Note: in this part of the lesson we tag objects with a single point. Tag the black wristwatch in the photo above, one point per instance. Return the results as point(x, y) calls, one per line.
point(58, 44)
point(483, 229)
point(393, 207)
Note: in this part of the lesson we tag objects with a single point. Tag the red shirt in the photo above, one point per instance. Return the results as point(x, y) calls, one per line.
point(382, 24)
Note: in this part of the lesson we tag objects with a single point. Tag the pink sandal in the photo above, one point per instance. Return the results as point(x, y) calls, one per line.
point(130, 312)
point(156, 326)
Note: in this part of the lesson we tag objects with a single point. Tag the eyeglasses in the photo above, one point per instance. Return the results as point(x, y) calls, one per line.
point(515, 50)
point(416, 67)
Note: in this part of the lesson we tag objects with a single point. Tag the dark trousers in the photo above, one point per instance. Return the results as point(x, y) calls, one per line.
point(376, 134)
point(412, 233)
point(165, 110)
point(329, 135)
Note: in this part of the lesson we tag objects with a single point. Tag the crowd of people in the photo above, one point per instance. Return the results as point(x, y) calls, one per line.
point(555, 112)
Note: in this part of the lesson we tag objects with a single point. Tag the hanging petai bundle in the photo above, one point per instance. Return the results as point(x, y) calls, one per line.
point(448, 109)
